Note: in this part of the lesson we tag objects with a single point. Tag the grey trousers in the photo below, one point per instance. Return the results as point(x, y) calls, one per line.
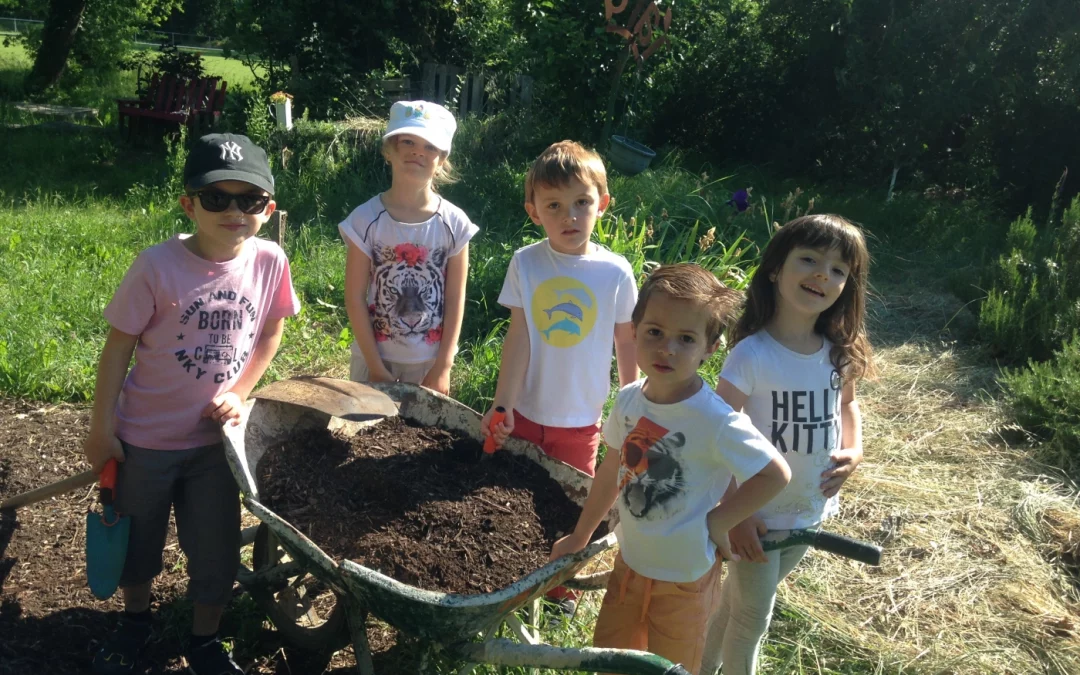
point(747, 596)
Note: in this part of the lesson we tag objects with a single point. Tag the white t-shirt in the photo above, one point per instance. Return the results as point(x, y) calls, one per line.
point(794, 400)
point(407, 290)
point(675, 462)
point(571, 304)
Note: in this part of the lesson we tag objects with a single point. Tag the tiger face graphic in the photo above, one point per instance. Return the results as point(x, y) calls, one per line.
point(409, 289)
point(650, 475)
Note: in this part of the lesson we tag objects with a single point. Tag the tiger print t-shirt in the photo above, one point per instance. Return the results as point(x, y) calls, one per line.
point(675, 462)
point(407, 290)
point(794, 400)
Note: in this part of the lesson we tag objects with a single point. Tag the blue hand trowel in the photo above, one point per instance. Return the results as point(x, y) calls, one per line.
point(106, 538)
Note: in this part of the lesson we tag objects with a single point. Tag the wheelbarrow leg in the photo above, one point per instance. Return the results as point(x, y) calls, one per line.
point(357, 617)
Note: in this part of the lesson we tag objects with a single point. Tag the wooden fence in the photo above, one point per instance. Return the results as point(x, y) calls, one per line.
point(480, 93)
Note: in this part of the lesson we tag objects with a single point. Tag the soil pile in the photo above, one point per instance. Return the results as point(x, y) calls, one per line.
point(418, 504)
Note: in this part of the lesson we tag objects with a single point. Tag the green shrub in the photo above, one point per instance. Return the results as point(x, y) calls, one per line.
point(1045, 397)
point(1032, 306)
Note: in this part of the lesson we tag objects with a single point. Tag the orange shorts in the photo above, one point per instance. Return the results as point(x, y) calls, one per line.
point(663, 617)
point(577, 446)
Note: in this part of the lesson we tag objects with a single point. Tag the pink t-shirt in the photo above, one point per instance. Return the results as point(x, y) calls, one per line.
point(197, 323)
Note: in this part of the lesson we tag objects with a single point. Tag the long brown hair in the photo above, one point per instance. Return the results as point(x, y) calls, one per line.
point(843, 322)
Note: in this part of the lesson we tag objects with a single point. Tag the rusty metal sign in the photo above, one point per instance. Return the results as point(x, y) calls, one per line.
point(641, 26)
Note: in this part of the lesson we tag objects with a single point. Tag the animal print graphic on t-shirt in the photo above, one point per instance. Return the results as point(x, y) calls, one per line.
point(410, 291)
point(650, 475)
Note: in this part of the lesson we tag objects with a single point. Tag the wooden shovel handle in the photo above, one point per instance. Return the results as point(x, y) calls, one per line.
point(60, 487)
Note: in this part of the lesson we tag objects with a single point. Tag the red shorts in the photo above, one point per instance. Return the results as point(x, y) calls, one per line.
point(577, 446)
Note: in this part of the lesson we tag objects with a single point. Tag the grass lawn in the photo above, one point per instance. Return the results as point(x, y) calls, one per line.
point(15, 63)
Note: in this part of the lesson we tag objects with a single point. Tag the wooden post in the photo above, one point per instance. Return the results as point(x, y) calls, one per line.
point(526, 89)
point(476, 103)
point(275, 227)
point(443, 77)
point(427, 92)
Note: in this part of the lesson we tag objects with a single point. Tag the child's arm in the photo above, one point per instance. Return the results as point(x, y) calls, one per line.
point(850, 454)
point(625, 353)
point(744, 538)
point(457, 271)
point(753, 494)
point(228, 406)
point(512, 369)
point(602, 496)
point(357, 278)
point(101, 444)
point(731, 394)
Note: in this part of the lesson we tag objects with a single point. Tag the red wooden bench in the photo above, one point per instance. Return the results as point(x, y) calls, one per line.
point(194, 103)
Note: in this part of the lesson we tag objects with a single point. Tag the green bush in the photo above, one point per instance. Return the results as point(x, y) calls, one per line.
point(1045, 397)
point(1033, 304)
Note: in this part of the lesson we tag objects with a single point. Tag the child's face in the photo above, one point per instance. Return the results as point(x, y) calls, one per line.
point(412, 158)
point(810, 280)
point(221, 231)
point(671, 340)
point(567, 214)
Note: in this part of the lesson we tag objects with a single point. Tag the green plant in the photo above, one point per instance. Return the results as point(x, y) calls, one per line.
point(182, 64)
point(1045, 397)
point(1032, 306)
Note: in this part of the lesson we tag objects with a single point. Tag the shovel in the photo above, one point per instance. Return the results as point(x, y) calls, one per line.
point(52, 489)
point(353, 401)
point(106, 538)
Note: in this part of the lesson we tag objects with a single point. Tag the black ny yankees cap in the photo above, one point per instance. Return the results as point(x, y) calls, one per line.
point(217, 157)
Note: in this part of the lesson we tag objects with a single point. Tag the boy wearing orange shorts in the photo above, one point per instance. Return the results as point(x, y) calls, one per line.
point(673, 447)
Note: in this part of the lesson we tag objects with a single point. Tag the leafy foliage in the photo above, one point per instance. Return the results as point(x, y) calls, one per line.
point(1033, 305)
point(186, 65)
point(1045, 398)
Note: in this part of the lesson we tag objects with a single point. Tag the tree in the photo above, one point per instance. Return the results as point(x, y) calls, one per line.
point(57, 38)
point(89, 35)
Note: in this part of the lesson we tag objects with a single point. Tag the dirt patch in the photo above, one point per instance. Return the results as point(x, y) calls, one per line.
point(49, 620)
point(418, 504)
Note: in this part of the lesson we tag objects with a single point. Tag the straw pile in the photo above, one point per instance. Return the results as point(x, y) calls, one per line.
point(981, 545)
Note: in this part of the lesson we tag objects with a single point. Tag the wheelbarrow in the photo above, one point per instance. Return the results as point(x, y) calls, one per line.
point(319, 603)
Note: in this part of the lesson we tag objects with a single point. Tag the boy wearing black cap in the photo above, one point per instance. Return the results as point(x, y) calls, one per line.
point(203, 314)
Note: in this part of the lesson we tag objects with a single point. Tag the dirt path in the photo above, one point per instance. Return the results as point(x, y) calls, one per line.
point(975, 532)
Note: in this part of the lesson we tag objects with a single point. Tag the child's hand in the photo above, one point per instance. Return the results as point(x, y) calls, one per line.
point(844, 464)
point(380, 373)
point(438, 379)
point(571, 543)
point(718, 533)
point(745, 539)
point(224, 408)
point(101, 446)
point(502, 429)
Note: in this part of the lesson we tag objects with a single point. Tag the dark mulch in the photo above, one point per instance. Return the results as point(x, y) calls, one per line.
point(50, 622)
point(418, 504)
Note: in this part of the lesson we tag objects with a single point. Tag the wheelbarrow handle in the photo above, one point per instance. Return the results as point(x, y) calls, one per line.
point(854, 549)
point(849, 548)
point(503, 652)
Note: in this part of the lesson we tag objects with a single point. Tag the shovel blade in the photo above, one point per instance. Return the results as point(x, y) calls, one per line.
point(106, 550)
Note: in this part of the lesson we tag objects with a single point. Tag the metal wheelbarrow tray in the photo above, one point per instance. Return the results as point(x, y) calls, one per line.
point(448, 622)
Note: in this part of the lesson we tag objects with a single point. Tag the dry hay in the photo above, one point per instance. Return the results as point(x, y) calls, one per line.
point(979, 542)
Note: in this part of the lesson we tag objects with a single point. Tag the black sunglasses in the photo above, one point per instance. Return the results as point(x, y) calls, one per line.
point(216, 201)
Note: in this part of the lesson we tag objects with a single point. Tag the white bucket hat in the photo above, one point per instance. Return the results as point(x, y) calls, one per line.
point(430, 121)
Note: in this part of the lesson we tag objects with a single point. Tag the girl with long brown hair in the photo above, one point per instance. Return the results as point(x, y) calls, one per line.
point(798, 349)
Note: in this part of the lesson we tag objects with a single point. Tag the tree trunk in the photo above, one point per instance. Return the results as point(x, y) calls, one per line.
point(61, 26)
